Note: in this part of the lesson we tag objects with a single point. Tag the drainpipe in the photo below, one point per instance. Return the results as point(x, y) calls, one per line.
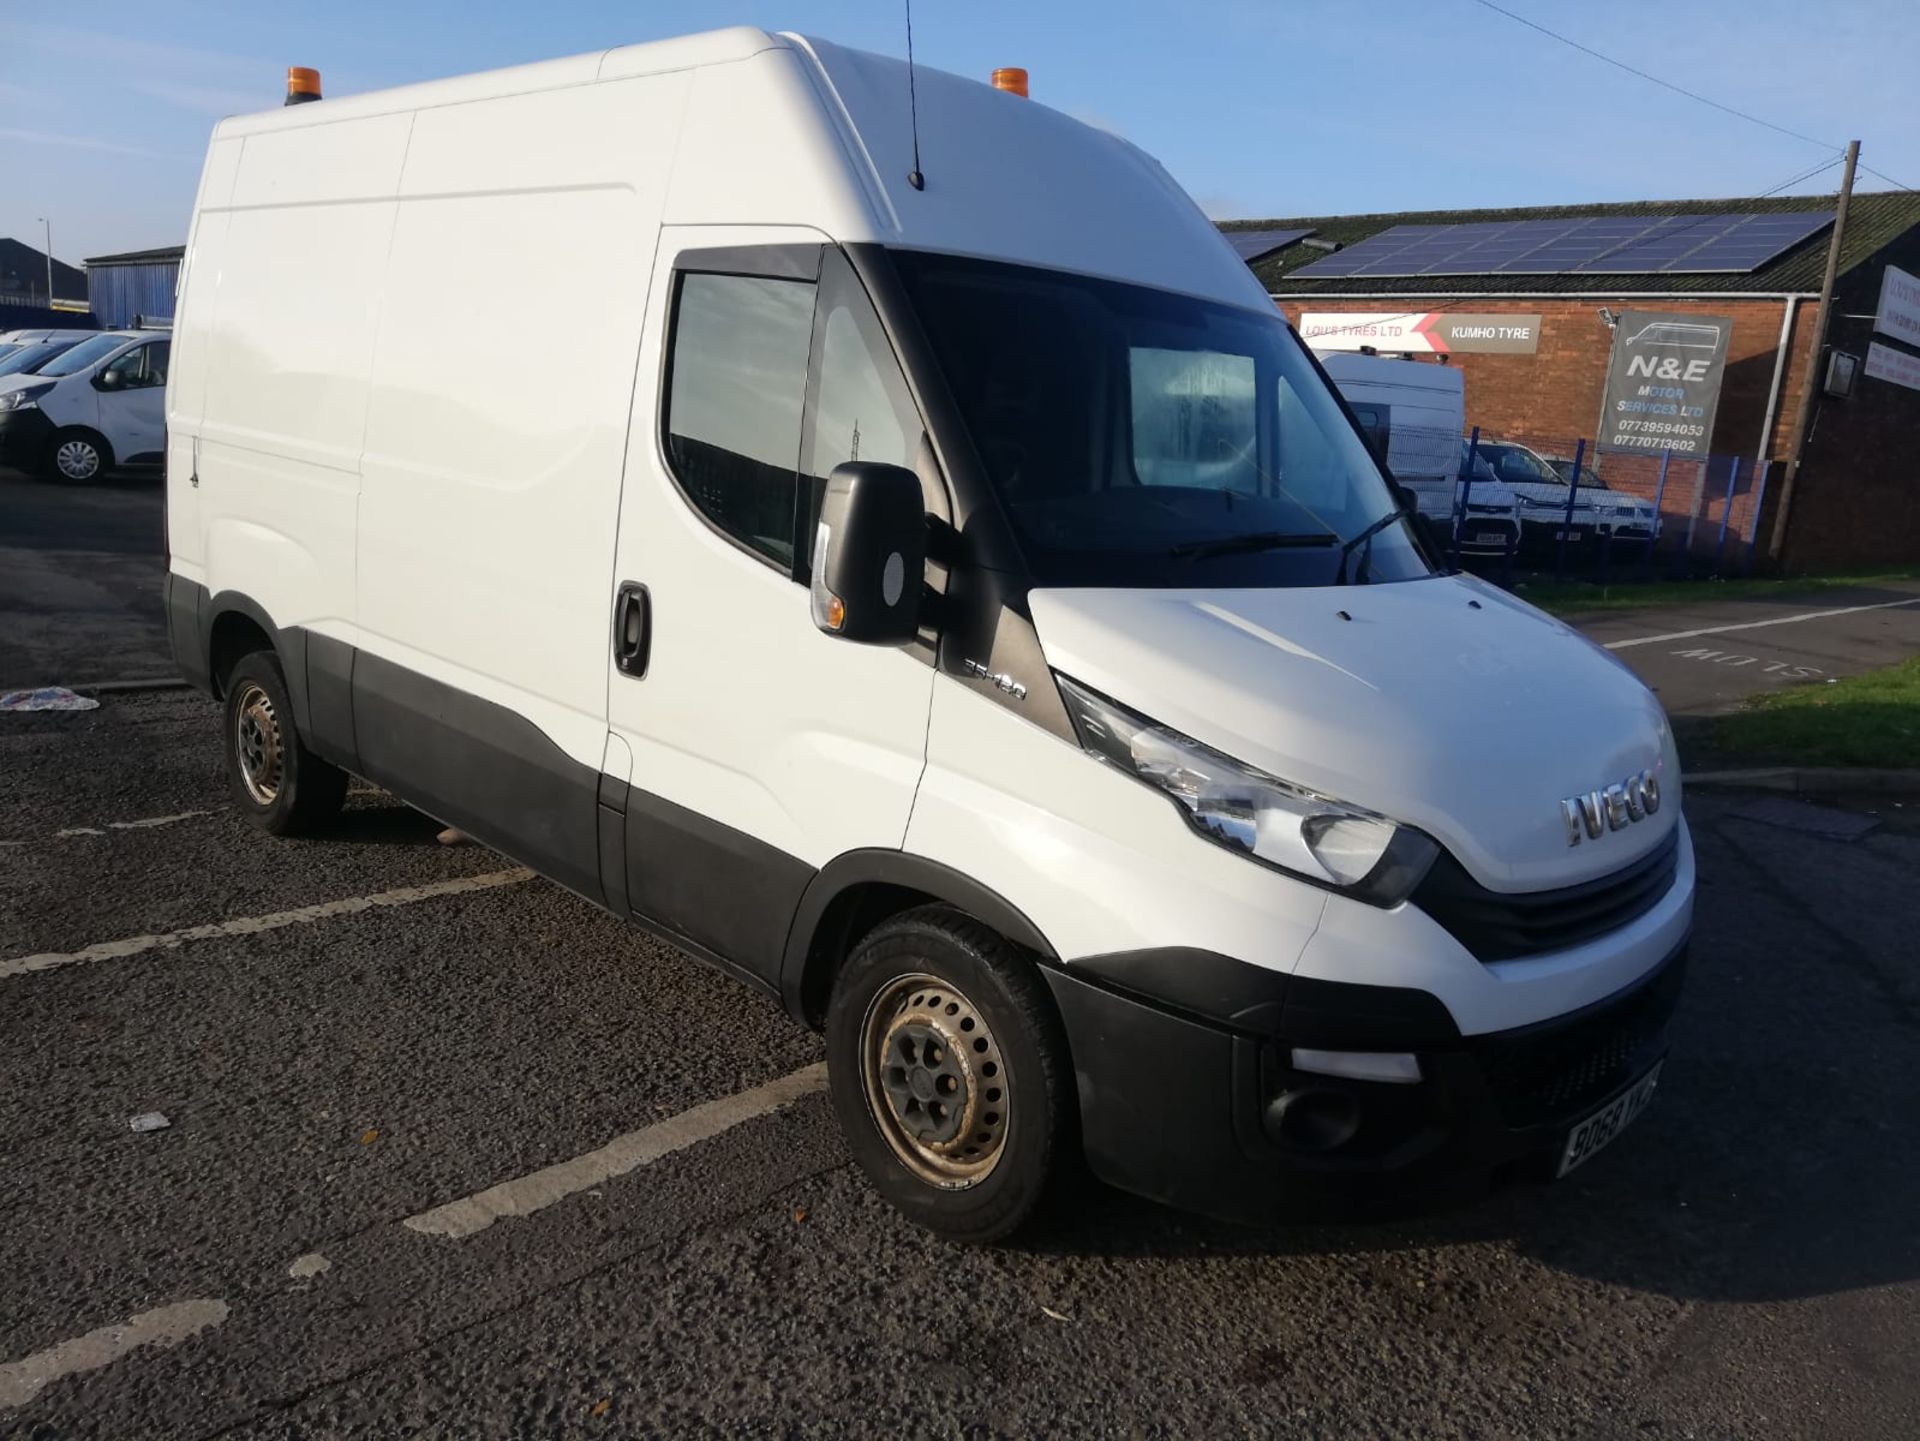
point(1773, 392)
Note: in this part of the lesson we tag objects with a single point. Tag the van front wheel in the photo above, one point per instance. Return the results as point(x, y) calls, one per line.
point(282, 787)
point(949, 1073)
point(77, 456)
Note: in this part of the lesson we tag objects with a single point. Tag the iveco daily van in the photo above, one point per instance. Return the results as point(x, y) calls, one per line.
point(945, 596)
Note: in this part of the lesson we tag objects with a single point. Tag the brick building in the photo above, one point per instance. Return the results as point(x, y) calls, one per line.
point(1857, 498)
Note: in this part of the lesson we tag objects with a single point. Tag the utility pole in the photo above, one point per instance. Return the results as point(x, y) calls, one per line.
point(49, 224)
point(1810, 392)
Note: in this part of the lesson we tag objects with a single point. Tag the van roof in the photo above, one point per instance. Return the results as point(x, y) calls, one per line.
point(1005, 178)
point(1392, 370)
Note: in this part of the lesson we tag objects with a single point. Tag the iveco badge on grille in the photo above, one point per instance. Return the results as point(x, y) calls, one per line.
point(1613, 809)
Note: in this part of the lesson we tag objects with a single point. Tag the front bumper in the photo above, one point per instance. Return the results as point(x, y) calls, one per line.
point(1178, 1084)
point(24, 437)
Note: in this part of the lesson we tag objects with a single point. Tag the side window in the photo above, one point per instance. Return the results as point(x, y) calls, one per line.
point(861, 409)
point(739, 378)
point(158, 355)
point(1376, 424)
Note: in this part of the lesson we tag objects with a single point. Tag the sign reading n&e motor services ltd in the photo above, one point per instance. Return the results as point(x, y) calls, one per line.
point(1663, 383)
point(1435, 332)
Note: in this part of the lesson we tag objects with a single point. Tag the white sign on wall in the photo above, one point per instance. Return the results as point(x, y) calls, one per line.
point(1899, 312)
point(1886, 363)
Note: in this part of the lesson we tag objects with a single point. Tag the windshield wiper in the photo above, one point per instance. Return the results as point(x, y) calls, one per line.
point(1366, 536)
point(1254, 540)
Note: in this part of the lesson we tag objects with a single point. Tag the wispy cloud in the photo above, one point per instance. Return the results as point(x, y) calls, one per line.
point(205, 81)
point(85, 142)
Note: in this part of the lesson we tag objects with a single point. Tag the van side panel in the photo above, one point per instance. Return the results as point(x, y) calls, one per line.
point(192, 342)
point(490, 481)
point(288, 355)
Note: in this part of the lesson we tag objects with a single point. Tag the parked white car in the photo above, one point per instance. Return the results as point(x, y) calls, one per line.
point(1542, 494)
point(96, 406)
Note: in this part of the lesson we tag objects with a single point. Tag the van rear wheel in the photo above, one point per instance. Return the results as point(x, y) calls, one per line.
point(949, 1073)
point(282, 787)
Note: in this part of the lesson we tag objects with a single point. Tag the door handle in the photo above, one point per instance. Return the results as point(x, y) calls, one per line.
point(632, 629)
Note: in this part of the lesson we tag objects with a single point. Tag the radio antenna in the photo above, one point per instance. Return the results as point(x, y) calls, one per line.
point(914, 177)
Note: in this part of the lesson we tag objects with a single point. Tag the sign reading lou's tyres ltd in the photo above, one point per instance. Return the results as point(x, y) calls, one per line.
point(1431, 332)
point(1663, 382)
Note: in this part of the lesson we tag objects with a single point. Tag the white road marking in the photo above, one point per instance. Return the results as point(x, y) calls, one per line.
point(1757, 624)
point(152, 821)
point(22, 1380)
point(144, 824)
point(248, 925)
point(539, 1189)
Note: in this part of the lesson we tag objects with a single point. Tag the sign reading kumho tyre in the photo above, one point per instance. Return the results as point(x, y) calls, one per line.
point(1663, 382)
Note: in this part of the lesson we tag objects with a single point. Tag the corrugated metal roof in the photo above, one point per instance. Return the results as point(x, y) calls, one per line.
point(1876, 218)
point(140, 257)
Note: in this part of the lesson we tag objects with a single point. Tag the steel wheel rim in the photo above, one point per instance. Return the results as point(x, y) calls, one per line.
point(77, 459)
point(936, 1083)
point(257, 744)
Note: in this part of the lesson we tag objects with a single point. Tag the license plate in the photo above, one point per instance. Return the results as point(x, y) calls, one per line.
point(1489, 537)
point(1592, 1135)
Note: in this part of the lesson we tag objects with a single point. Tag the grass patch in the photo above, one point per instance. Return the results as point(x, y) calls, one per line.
point(1871, 719)
point(1565, 597)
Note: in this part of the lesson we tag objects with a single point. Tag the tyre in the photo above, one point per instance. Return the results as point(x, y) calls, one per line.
point(77, 457)
point(282, 787)
point(950, 1074)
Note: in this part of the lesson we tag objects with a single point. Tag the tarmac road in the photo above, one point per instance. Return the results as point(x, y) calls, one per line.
point(1745, 1261)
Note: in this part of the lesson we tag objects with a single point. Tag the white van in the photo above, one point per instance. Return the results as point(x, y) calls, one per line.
point(1413, 415)
point(96, 405)
point(945, 596)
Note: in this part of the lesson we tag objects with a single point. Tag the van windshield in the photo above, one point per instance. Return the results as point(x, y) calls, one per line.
point(28, 356)
point(1142, 438)
point(83, 355)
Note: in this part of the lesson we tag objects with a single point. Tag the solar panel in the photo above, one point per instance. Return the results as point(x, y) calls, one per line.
point(1598, 245)
point(1251, 245)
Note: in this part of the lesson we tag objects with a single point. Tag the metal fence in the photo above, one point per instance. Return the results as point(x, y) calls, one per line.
point(1541, 505)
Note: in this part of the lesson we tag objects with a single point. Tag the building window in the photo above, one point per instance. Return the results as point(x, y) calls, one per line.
point(739, 380)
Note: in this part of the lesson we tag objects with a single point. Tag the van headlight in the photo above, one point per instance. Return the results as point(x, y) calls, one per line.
point(1314, 837)
point(23, 399)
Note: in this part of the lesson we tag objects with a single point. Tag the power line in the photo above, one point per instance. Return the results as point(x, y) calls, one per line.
point(1654, 79)
point(1882, 175)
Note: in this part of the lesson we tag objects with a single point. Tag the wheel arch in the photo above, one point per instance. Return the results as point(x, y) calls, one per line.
point(235, 624)
point(857, 891)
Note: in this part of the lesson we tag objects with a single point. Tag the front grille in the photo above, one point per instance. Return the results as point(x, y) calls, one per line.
point(1499, 925)
point(1558, 1070)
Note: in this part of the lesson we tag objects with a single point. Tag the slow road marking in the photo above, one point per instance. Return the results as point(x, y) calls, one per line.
point(1757, 624)
point(22, 1380)
point(539, 1189)
point(248, 925)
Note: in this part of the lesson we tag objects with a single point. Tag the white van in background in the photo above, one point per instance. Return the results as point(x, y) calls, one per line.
point(946, 597)
point(97, 405)
point(1414, 414)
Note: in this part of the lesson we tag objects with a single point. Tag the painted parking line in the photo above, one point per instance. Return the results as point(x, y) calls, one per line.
point(539, 1189)
point(146, 823)
point(248, 925)
point(1758, 624)
point(22, 1380)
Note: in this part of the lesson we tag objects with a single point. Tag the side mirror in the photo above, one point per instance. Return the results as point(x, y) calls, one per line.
point(110, 380)
point(870, 554)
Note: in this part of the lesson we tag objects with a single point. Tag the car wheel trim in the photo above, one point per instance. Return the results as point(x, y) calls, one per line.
point(77, 459)
point(936, 1084)
point(258, 745)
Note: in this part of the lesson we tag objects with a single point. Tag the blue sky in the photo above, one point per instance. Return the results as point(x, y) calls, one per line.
point(1290, 107)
